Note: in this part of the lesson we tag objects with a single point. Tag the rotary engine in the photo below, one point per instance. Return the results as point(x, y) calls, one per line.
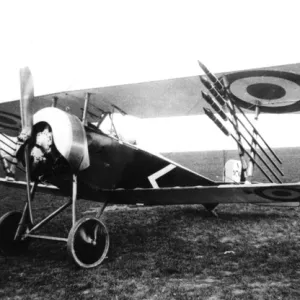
point(58, 144)
point(42, 154)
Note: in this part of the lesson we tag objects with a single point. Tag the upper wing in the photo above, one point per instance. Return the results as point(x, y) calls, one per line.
point(277, 89)
point(252, 193)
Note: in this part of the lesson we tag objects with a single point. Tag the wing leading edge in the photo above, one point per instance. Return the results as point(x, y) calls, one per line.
point(274, 87)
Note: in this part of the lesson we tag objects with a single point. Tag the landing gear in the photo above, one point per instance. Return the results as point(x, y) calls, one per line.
point(88, 242)
point(9, 224)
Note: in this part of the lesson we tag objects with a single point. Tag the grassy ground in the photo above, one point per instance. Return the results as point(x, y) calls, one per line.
point(178, 252)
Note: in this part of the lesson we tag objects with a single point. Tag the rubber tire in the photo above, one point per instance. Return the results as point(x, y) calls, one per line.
point(84, 253)
point(9, 223)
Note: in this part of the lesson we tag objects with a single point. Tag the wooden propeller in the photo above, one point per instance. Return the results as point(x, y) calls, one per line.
point(26, 110)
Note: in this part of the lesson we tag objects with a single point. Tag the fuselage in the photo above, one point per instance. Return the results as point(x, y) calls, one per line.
point(118, 164)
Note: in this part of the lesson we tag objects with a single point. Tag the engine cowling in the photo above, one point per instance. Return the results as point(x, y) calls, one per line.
point(55, 127)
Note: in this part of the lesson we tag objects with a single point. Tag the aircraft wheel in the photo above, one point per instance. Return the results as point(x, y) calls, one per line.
point(88, 242)
point(9, 223)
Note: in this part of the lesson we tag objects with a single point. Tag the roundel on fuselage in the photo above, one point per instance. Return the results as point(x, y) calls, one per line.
point(273, 91)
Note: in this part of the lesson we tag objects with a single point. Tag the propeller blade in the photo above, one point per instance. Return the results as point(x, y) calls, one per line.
point(26, 111)
point(27, 97)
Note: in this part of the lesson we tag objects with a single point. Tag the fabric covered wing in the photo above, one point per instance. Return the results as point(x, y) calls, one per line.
point(21, 185)
point(253, 193)
point(278, 91)
point(221, 194)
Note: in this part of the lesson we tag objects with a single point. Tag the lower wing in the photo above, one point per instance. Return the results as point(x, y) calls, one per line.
point(276, 194)
point(223, 193)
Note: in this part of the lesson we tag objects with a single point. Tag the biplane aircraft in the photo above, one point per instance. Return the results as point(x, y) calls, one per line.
point(59, 142)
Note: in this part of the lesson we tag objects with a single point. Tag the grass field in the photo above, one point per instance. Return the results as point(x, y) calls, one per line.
point(178, 252)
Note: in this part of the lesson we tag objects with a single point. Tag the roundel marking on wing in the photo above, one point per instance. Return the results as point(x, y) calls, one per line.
point(279, 194)
point(266, 91)
point(10, 121)
point(273, 91)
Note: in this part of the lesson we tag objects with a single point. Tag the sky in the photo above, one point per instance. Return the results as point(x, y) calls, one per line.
point(198, 133)
point(83, 44)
